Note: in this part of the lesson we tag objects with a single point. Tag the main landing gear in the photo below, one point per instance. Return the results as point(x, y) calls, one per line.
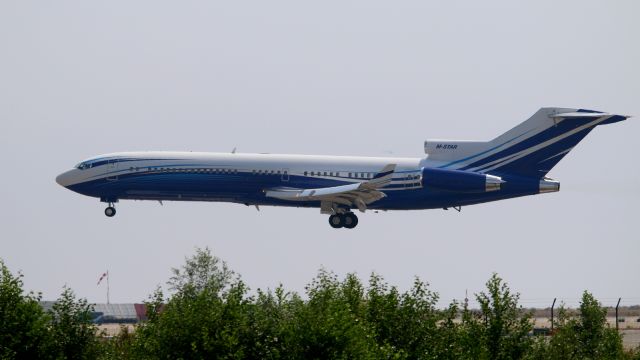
point(110, 211)
point(347, 220)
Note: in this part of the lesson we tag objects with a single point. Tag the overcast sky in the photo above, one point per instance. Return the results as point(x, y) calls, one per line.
point(82, 78)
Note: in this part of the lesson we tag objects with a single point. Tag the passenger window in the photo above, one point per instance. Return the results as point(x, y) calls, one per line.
point(305, 173)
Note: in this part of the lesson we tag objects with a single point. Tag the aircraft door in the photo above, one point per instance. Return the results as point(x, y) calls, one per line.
point(111, 172)
point(285, 174)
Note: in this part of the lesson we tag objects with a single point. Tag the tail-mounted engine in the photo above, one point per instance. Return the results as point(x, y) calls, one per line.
point(459, 181)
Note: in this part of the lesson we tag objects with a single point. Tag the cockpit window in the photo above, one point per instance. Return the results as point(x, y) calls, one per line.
point(83, 166)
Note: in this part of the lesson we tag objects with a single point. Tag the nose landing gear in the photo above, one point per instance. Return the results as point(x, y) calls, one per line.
point(347, 220)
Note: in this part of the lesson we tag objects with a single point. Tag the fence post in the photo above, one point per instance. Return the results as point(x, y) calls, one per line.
point(552, 306)
point(617, 306)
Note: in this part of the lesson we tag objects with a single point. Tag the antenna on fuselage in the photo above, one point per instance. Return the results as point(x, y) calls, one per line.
point(233, 151)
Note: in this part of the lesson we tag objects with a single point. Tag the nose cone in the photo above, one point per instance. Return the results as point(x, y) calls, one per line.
point(65, 179)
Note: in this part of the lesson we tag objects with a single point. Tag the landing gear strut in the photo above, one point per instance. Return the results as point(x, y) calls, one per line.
point(347, 220)
point(110, 211)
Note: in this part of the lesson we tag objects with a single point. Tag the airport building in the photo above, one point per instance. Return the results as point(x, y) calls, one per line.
point(112, 313)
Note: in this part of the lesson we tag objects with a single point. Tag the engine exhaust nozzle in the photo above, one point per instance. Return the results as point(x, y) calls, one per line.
point(549, 185)
point(493, 183)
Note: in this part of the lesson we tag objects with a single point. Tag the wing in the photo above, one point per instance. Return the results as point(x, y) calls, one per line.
point(353, 195)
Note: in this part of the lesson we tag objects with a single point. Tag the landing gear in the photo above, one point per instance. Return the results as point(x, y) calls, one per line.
point(348, 220)
point(336, 221)
point(110, 211)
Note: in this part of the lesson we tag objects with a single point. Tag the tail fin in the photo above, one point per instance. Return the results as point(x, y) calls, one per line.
point(530, 149)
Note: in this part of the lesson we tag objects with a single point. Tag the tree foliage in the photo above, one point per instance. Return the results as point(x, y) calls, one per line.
point(585, 335)
point(211, 313)
point(28, 332)
point(505, 334)
point(73, 335)
point(23, 323)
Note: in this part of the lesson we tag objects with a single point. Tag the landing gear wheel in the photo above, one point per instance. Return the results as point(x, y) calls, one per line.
point(336, 221)
point(110, 211)
point(350, 220)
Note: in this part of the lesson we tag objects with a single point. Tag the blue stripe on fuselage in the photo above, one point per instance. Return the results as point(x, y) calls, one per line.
point(248, 188)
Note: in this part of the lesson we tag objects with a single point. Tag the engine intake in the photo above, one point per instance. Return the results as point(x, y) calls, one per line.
point(460, 181)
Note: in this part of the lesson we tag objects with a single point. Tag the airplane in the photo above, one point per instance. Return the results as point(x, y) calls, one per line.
point(454, 173)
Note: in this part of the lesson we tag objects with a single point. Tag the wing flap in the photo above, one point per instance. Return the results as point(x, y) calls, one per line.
point(356, 195)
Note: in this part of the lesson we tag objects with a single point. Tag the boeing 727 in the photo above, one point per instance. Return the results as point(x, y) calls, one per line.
point(452, 174)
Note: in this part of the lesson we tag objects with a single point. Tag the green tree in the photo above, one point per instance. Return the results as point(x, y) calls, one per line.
point(201, 272)
point(204, 318)
point(23, 323)
point(595, 338)
point(73, 334)
point(271, 333)
point(332, 324)
point(504, 327)
point(409, 321)
point(585, 336)
point(470, 336)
